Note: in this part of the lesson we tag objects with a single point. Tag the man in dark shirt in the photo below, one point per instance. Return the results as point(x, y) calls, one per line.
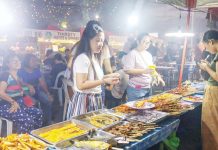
point(59, 66)
point(48, 58)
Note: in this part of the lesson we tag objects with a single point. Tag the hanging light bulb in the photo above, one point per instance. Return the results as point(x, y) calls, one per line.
point(64, 24)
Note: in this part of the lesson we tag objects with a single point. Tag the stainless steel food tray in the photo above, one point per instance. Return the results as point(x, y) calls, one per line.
point(100, 136)
point(117, 124)
point(124, 123)
point(85, 117)
point(80, 124)
point(149, 116)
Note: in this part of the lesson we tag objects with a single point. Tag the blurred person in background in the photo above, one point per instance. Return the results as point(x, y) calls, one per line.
point(12, 99)
point(48, 61)
point(30, 74)
point(67, 54)
point(59, 66)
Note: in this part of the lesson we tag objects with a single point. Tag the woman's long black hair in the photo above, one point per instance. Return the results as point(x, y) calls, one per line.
point(92, 29)
point(210, 35)
point(138, 40)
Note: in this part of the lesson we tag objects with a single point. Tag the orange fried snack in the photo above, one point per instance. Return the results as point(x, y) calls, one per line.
point(20, 142)
point(124, 109)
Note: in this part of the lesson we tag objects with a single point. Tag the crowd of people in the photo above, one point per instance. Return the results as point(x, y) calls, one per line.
point(25, 86)
point(25, 89)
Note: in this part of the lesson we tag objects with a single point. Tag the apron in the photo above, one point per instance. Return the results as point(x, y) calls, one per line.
point(209, 122)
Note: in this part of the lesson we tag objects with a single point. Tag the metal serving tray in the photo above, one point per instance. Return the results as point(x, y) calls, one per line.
point(123, 114)
point(80, 124)
point(129, 139)
point(99, 136)
point(192, 91)
point(117, 124)
point(85, 117)
point(149, 116)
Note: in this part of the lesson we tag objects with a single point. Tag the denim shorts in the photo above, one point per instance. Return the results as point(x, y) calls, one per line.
point(134, 94)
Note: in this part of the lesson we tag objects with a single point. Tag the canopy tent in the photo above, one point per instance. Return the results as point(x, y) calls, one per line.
point(197, 3)
point(190, 4)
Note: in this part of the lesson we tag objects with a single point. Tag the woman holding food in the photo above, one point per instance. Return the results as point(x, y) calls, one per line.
point(12, 100)
point(88, 75)
point(210, 103)
point(139, 65)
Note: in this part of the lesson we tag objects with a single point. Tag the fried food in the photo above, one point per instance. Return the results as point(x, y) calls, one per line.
point(193, 99)
point(66, 132)
point(166, 102)
point(171, 106)
point(132, 129)
point(103, 120)
point(155, 99)
point(184, 90)
point(124, 109)
point(92, 145)
point(20, 142)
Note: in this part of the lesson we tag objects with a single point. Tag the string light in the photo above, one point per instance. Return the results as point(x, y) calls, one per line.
point(41, 13)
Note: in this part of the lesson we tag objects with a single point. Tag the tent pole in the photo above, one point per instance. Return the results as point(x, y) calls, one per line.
point(184, 48)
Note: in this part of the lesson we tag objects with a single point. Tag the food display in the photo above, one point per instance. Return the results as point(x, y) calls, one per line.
point(105, 129)
point(21, 142)
point(92, 145)
point(184, 90)
point(97, 136)
point(171, 106)
point(149, 116)
point(161, 97)
point(156, 98)
point(100, 118)
point(140, 105)
point(103, 120)
point(124, 109)
point(131, 129)
point(193, 99)
point(63, 133)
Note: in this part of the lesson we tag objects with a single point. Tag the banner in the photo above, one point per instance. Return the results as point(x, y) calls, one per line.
point(52, 36)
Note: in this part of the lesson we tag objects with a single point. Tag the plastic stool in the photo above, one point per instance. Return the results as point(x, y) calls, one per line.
point(9, 125)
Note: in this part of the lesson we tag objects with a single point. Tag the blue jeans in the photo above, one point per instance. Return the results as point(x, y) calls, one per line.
point(134, 94)
point(46, 106)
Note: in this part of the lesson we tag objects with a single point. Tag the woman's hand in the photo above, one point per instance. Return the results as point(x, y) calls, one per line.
point(14, 107)
point(160, 80)
point(149, 71)
point(203, 65)
point(112, 75)
point(112, 78)
point(111, 81)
